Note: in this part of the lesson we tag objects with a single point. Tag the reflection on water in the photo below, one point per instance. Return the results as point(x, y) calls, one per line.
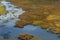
point(7, 29)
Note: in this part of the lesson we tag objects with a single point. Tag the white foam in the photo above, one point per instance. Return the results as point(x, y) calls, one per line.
point(13, 13)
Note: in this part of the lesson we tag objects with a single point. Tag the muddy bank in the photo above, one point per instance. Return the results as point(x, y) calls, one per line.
point(41, 13)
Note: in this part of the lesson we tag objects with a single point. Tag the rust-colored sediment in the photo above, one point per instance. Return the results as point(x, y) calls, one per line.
point(41, 13)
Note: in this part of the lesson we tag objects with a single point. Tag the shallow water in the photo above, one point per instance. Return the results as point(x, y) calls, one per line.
point(7, 30)
point(30, 29)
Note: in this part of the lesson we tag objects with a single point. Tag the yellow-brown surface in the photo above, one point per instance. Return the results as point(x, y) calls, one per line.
point(2, 9)
point(27, 37)
point(0, 0)
point(44, 13)
point(36, 38)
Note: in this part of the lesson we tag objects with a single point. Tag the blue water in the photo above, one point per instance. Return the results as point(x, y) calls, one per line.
point(7, 29)
point(29, 29)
